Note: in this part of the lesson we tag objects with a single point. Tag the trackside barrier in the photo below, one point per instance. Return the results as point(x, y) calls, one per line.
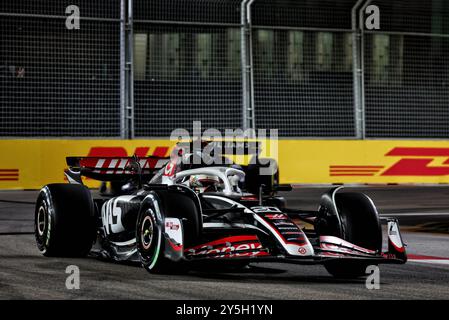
point(30, 164)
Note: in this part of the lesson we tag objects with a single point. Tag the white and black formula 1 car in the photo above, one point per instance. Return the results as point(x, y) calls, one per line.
point(177, 215)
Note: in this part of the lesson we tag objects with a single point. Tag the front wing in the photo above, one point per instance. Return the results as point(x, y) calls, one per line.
point(250, 248)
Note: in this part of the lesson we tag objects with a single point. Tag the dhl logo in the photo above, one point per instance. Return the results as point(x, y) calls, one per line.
point(358, 171)
point(118, 152)
point(413, 162)
point(9, 174)
point(120, 165)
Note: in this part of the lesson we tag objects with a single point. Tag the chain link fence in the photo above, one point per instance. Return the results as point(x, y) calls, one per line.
point(406, 71)
point(58, 82)
point(300, 76)
point(187, 65)
point(303, 83)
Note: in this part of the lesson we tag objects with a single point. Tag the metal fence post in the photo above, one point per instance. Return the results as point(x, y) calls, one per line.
point(126, 70)
point(244, 62)
point(362, 66)
point(123, 92)
point(247, 66)
point(251, 110)
point(130, 69)
point(357, 73)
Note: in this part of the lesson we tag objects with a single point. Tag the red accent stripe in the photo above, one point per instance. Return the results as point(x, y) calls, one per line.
point(330, 240)
point(227, 239)
point(401, 249)
point(141, 152)
point(117, 164)
point(9, 170)
point(249, 198)
point(89, 162)
point(160, 151)
point(9, 174)
point(357, 167)
point(107, 162)
point(354, 170)
point(420, 257)
point(300, 242)
point(351, 174)
point(174, 246)
point(432, 152)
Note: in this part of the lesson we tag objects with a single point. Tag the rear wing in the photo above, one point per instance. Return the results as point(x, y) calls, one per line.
point(222, 146)
point(113, 168)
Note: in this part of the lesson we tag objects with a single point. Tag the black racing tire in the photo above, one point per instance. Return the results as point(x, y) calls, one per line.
point(360, 225)
point(149, 231)
point(150, 242)
point(64, 223)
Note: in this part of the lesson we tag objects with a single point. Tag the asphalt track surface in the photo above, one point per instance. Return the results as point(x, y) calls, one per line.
point(423, 213)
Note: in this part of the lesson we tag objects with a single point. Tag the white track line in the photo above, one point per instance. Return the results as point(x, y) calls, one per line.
point(415, 214)
point(431, 261)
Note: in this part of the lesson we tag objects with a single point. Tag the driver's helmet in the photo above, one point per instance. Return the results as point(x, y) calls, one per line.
point(204, 183)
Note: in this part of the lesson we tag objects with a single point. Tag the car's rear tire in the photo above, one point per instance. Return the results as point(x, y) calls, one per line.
point(64, 220)
point(149, 230)
point(360, 225)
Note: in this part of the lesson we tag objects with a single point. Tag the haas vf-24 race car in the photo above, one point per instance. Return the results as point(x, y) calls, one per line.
point(177, 216)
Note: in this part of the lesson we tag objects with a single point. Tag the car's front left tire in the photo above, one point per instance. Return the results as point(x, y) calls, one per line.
point(150, 236)
point(149, 239)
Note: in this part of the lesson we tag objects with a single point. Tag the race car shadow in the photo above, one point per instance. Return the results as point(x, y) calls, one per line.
point(247, 269)
point(245, 273)
point(267, 275)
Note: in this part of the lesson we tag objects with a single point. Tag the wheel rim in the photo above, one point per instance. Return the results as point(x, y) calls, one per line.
point(146, 232)
point(41, 220)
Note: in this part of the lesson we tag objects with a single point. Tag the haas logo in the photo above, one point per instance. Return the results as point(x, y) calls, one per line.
point(172, 226)
point(276, 216)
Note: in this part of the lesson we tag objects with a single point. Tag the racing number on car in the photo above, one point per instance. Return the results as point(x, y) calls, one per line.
point(261, 209)
point(112, 217)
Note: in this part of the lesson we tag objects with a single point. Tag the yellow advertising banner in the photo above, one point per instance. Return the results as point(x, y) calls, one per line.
point(30, 164)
